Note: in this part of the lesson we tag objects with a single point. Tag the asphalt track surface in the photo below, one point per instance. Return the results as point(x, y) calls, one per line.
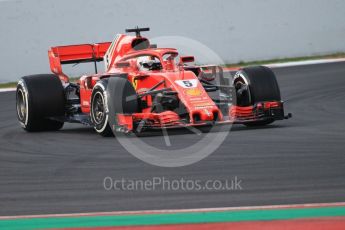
point(301, 160)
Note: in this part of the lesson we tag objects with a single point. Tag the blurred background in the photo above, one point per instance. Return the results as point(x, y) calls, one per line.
point(237, 30)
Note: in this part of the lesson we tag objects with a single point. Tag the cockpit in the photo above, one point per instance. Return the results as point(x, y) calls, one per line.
point(153, 61)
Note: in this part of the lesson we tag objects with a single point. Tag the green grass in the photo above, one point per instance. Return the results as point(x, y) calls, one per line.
point(8, 85)
point(239, 64)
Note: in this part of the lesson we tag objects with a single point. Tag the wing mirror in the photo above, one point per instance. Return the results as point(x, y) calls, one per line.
point(185, 59)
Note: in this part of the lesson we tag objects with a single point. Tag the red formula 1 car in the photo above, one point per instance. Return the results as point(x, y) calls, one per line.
point(144, 87)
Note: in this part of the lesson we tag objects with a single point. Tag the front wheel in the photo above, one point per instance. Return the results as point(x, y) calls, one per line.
point(122, 99)
point(99, 109)
point(255, 85)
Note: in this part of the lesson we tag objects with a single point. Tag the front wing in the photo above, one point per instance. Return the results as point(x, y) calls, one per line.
point(138, 122)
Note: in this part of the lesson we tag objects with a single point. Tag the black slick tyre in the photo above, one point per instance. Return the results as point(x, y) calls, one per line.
point(99, 109)
point(256, 84)
point(39, 99)
point(122, 99)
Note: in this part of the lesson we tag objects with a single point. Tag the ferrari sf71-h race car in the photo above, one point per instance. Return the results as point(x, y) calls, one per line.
point(144, 87)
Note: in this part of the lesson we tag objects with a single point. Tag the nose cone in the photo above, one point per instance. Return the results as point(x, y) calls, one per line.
point(206, 115)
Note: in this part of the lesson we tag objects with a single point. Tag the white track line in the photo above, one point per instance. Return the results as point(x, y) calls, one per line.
point(309, 62)
point(7, 89)
point(118, 213)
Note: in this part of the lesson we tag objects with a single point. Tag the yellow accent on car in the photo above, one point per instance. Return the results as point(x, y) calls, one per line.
point(193, 92)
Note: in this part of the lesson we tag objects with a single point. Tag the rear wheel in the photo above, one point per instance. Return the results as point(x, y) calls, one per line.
point(39, 100)
point(256, 84)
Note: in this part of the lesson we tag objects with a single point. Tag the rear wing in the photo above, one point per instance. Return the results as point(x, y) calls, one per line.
point(73, 54)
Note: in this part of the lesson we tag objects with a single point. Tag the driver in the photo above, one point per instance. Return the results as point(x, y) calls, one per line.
point(148, 63)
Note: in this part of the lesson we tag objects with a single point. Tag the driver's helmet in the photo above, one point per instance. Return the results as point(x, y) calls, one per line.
point(147, 63)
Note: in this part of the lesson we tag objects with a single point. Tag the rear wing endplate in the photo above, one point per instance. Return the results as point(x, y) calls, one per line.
point(73, 54)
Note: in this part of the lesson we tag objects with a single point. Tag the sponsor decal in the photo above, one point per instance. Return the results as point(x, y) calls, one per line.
point(204, 107)
point(193, 92)
point(207, 112)
point(203, 104)
point(135, 83)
